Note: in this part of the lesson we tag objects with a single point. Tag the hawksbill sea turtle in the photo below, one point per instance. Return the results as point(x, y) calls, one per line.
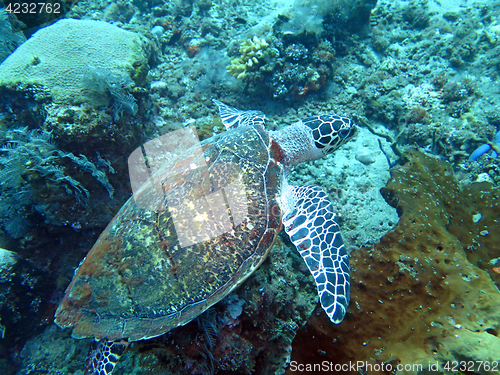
point(200, 225)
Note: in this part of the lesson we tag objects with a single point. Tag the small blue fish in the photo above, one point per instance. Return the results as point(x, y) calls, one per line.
point(483, 149)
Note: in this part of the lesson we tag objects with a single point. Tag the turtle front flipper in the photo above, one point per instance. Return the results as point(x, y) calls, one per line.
point(232, 117)
point(103, 356)
point(309, 220)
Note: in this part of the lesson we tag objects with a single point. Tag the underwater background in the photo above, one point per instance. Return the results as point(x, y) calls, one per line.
point(416, 191)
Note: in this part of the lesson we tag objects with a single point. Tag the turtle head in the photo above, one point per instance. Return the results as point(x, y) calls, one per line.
point(330, 131)
point(312, 138)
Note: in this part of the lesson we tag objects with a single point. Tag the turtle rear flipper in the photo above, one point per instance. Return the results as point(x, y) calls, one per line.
point(309, 220)
point(103, 356)
point(232, 117)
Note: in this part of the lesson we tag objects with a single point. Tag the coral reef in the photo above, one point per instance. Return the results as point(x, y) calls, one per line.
point(423, 75)
point(448, 113)
point(330, 16)
point(23, 290)
point(298, 60)
point(211, 66)
point(99, 81)
point(54, 352)
point(426, 293)
point(305, 17)
point(47, 58)
point(31, 167)
point(291, 70)
point(9, 39)
point(252, 52)
point(416, 15)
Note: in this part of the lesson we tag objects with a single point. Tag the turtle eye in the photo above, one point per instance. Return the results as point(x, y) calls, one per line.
point(329, 131)
point(344, 133)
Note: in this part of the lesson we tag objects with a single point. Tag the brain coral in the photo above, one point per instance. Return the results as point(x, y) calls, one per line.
point(56, 57)
point(426, 294)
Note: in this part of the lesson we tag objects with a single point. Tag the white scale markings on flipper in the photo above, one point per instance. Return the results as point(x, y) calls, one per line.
point(103, 356)
point(309, 220)
point(232, 117)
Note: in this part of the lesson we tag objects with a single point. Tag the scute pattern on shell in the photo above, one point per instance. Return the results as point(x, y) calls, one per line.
point(110, 297)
